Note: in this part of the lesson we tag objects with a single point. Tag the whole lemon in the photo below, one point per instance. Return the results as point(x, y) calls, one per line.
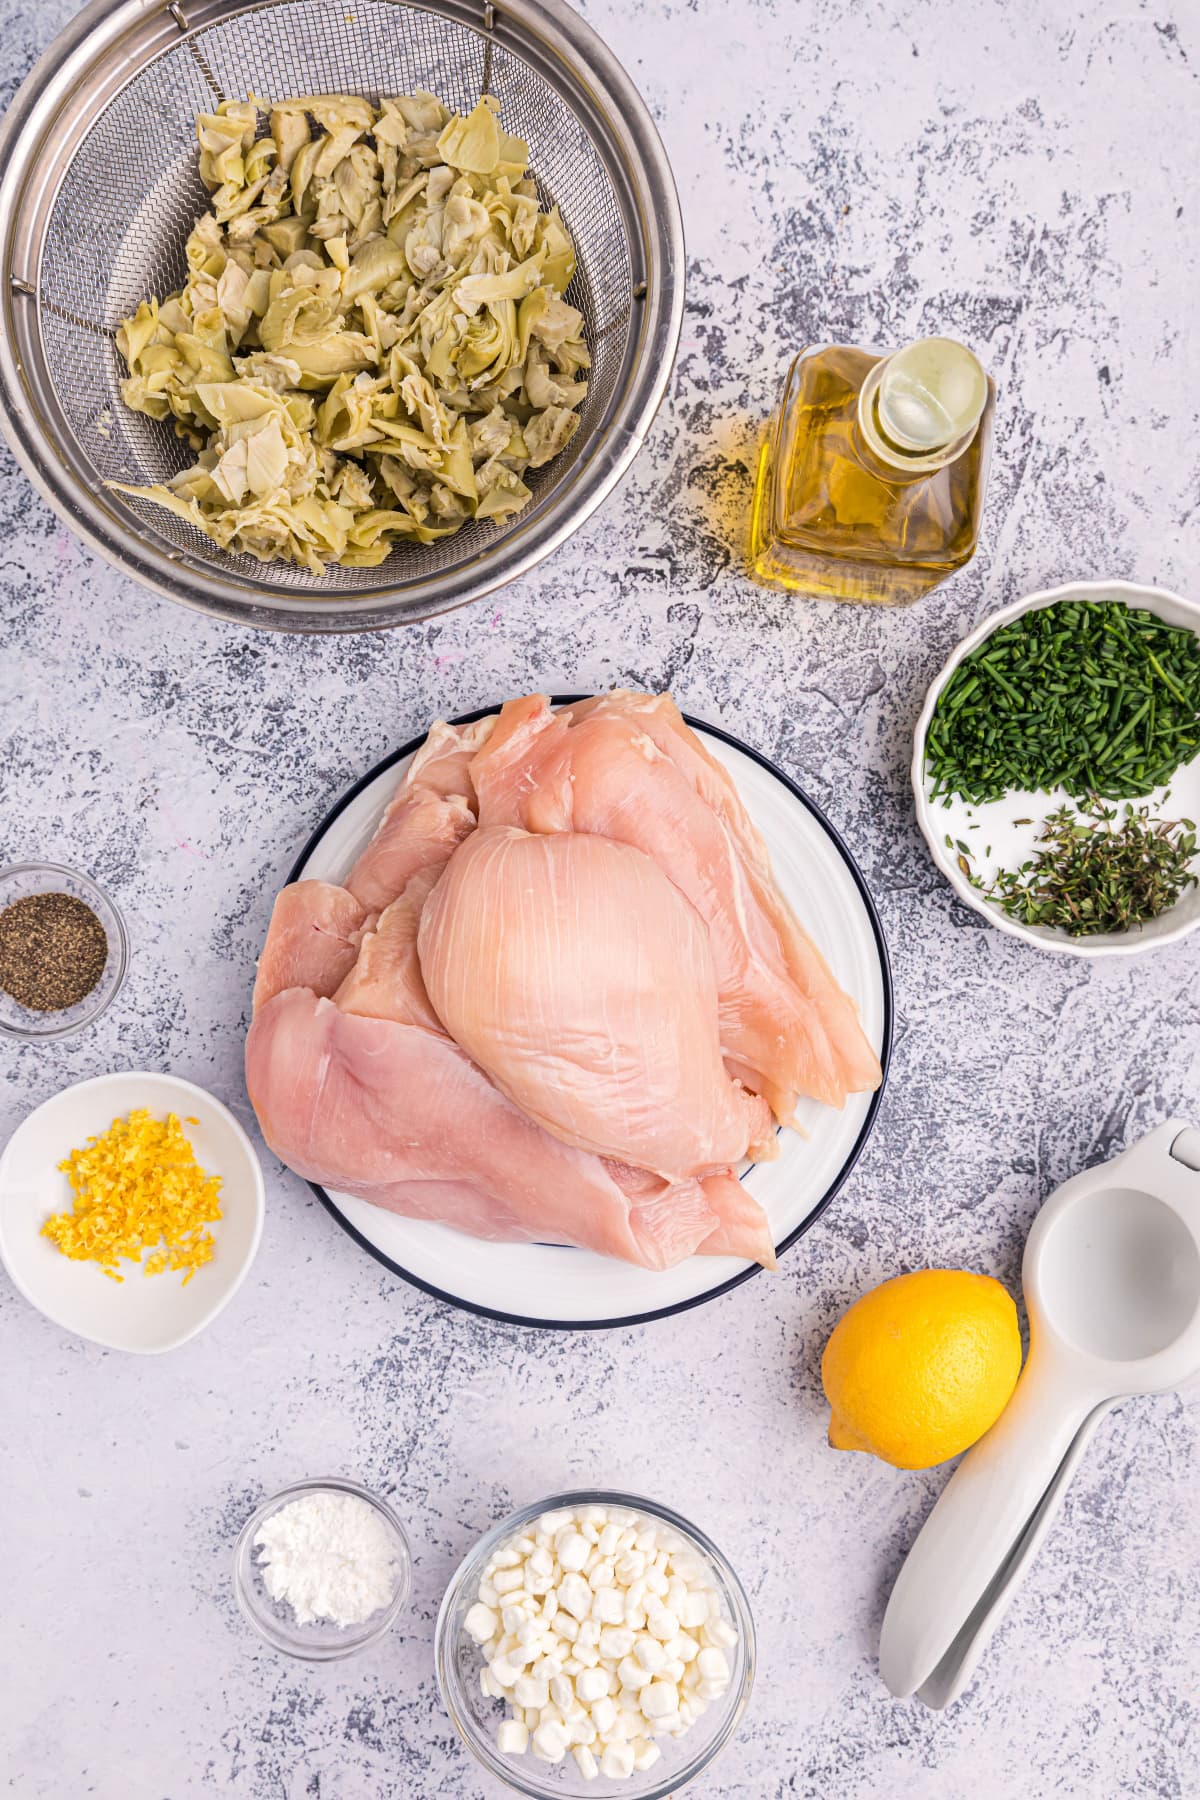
point(921, 1366)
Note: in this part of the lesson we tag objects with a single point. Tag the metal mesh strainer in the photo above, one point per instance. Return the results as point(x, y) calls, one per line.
point(99, 190)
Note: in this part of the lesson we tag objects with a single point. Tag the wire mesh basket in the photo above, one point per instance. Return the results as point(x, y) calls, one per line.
point(99, 190)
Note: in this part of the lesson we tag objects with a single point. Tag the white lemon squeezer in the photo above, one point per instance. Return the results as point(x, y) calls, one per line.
point(1111, 1275)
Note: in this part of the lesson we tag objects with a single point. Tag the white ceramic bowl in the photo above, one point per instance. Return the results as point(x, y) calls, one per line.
point(143, 1313)
point(991, 825)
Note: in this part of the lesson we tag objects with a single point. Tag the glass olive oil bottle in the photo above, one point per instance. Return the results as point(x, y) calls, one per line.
point(871, 478)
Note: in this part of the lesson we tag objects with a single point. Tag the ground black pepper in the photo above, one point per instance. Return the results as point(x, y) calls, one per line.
point(53, 950)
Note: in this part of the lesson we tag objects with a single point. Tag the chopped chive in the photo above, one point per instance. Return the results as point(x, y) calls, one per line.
point(1096, 697)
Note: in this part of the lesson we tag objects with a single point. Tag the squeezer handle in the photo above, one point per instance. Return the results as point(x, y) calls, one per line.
point(977, 1524)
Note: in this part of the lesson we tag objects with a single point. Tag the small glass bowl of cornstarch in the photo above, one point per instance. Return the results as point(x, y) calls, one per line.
point(322, 1570)
point(595, 1644)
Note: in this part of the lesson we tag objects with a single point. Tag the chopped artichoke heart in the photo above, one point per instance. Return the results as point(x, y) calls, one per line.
point(372, 343)
point(472, 144)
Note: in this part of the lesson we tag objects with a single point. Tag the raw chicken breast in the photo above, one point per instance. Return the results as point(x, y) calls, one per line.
point(574, 972)
point(371, 1096)
point(417, 831)
point(664, 724)
point(743, 1229)
point(786, 1027)
point(386, 980)
point(386, 983)
point(740, 1226)
point(443, 763)
point(431, 812)
point(312, 940)
point(404, 1119)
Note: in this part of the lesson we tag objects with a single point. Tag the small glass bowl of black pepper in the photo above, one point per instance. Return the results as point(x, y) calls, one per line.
point(63, 951)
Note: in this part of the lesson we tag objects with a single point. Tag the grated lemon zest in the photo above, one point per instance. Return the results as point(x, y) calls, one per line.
point(138, 1187)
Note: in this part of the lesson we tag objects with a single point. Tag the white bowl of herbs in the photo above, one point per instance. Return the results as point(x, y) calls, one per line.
point(1056, 768)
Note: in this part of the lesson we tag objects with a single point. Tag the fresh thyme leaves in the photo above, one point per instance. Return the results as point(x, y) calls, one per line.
point(1090, 695)
point(1100, 869)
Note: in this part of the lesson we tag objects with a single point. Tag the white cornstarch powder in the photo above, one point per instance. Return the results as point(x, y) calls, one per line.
point(329, 1556)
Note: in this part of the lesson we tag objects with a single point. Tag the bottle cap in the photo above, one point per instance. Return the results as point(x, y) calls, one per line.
point(922, 405)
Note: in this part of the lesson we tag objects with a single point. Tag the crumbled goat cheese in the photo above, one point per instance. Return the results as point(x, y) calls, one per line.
point(602, 1631)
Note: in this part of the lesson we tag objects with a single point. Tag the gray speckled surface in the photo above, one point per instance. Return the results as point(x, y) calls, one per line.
point(1016, 171)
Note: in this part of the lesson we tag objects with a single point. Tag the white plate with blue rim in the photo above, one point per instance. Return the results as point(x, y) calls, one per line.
point(561, 1288)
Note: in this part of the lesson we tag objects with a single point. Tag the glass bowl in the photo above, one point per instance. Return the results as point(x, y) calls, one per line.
point(18, 882)
point(321, 1641)
point(477, 1718)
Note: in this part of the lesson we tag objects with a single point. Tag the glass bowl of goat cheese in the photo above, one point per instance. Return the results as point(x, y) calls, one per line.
point(595, 1644)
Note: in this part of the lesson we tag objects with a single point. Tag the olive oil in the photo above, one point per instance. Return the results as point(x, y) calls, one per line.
point(871, 478)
